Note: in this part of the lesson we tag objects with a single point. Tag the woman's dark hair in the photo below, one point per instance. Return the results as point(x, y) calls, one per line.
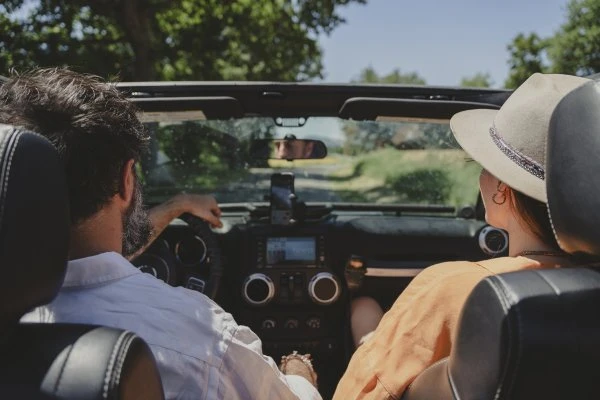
point(534, 216)
point(92, 125)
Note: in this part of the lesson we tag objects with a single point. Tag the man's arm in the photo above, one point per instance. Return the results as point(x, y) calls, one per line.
point(202, 206)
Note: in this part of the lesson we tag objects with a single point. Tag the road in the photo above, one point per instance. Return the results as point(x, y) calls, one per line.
point(312, 183)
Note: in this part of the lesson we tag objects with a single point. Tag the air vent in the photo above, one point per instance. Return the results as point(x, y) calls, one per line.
point(493, 241)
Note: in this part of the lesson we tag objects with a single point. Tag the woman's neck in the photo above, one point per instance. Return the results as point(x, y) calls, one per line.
point(522, 240)
point(526, 244)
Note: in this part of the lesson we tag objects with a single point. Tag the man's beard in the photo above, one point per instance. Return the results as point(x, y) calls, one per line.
point(137, 227)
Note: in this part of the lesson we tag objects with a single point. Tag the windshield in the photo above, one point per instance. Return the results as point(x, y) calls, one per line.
point(383, 162)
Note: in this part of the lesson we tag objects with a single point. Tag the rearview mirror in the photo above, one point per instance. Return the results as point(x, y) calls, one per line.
point(288, 149)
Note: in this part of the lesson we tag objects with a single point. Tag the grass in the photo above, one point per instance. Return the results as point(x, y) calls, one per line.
point(409, 176)
point(329, 160)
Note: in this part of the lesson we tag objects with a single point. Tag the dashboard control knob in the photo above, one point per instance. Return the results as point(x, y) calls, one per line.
point(324, 288)
point(258, 290)
point(291, 323)
point(268, 323)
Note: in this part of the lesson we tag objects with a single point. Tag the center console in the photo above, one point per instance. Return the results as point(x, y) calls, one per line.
point(291, 296)
point(290, 270)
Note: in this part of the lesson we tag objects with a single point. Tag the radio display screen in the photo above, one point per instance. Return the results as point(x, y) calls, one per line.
point(287, 250)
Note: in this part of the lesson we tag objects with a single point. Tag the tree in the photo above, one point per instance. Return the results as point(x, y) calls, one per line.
point(170, 39)
point(369, 75)
point(576, 46)
point(573, 49)
point(483, 80)
point(527, 56)
point(362, 136)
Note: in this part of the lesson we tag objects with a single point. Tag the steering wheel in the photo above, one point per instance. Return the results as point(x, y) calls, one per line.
point(213, 257)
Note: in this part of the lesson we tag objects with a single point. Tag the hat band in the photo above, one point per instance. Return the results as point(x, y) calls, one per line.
point(522, 161)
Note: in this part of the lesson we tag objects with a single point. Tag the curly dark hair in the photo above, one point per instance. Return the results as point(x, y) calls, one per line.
point(90, 122)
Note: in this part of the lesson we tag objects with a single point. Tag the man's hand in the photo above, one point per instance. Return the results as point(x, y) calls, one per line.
point(201, 206)
point(299, 364)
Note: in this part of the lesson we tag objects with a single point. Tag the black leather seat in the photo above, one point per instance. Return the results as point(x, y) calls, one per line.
point(536, 334)
point(52, 361)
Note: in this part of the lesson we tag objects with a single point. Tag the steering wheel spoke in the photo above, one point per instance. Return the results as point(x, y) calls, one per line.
point(212, 257)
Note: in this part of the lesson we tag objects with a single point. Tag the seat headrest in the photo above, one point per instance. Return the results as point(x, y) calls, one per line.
point(34, 222)
point(529, 335)
point(573, 170)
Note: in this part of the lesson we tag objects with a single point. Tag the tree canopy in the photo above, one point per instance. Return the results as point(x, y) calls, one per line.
point(573, 49)
point(527, 56)
point(480, 79)
point(369, 75)
point(170, 39)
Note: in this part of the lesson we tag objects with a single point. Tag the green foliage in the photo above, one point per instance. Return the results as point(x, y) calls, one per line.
point(483, 80)
point(201, 155)
point(170, 39)
point(431, 186)
point(527, 55)
point(576, 46)
point(362, 136)
point(573, 49)
point(365, 136)
point(369, 75)
point(433, 176)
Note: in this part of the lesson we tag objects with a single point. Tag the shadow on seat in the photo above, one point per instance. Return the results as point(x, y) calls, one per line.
point(536, 334)
point(52, 361)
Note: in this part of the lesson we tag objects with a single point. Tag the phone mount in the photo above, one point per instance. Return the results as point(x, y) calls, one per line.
point(285, 208)
point(298, 210)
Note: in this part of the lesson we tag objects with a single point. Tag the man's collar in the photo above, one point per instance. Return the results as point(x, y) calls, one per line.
point(97, 270)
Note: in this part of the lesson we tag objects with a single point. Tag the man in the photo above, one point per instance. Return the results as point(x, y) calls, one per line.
point(290, 148)
point(200, 350)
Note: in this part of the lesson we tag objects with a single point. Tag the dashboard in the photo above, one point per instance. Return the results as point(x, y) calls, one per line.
point(288, 283)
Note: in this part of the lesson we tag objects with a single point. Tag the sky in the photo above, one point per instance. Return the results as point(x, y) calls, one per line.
point(442, 40)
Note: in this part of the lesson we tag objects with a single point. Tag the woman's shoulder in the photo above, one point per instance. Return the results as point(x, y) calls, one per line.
point(484, 267)
point(450, 269)
point(455, 274)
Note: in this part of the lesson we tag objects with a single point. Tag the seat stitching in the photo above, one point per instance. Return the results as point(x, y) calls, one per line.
point(516, 307)
point(556, 290)
point(122, 356)
point(62, 370)
point(504, 303)
point(11, 144)
point(111, 363)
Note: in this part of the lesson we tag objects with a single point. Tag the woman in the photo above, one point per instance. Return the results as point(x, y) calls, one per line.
point(418, 330)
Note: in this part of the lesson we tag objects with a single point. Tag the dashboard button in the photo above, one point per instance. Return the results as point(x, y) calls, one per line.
point(268, 323)
point(291, 323)
point(195, 284)
point(314, 322)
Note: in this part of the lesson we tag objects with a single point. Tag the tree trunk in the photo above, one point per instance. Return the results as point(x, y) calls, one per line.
point(137, 24)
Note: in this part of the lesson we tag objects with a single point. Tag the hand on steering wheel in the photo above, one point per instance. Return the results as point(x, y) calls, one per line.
point(204, 207)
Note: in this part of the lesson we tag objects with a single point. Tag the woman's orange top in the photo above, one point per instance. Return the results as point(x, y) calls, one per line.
point(419, 328)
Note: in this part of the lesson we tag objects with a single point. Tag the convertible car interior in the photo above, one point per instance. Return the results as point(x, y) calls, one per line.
point(305, 234)
point(328, 192)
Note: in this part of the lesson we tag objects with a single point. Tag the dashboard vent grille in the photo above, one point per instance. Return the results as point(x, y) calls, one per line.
point(493, 241)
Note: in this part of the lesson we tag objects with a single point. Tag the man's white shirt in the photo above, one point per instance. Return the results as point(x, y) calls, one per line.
point(200, 350)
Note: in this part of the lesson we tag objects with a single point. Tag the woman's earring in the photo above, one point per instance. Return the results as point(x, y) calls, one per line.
point(499, 194)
